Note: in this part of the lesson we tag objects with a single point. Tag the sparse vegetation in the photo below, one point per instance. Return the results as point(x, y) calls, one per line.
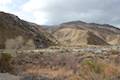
point(93, 66)
point(5, 63)
point(115, 52)
point(68, 65)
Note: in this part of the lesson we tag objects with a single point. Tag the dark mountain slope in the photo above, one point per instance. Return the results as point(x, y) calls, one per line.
point(12, 27)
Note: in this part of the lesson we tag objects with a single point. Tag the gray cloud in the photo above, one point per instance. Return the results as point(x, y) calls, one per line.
point(100, 11)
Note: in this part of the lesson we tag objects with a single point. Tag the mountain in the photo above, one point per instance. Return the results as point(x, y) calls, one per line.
point(16, 33)
point(82, 33)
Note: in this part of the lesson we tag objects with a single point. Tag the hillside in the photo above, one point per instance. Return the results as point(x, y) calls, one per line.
point(19, 34)
point(82, 33)
point(16, 33)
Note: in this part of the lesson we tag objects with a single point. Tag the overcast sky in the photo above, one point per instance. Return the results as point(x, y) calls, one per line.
point(58, 11)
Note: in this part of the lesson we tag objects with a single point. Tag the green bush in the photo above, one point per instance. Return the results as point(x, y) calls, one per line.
point(93, 65)
point(5, 63)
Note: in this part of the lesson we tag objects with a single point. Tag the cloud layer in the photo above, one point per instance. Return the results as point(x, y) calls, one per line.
point(58, 11)
point(4, 3)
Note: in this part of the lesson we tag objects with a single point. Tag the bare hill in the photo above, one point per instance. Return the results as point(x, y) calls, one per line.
point(82, 33)
point(16, 33)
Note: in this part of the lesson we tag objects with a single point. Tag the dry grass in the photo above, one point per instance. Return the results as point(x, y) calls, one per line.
point(60, 72)
point(70, 66)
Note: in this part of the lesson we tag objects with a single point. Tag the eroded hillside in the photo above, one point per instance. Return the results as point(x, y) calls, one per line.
point(82, 33)
point(16, 33)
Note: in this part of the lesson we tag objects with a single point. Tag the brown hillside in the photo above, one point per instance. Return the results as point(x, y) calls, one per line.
point(13, 29)
point(75, 36)
point(82, 33)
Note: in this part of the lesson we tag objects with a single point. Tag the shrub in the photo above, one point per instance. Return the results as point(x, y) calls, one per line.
point(5, 63)
point(93, 66)
point(75, 77)
point(114, 52)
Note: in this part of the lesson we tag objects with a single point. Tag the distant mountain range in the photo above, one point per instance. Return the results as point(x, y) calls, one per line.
point(82, 33)
point(19, 34)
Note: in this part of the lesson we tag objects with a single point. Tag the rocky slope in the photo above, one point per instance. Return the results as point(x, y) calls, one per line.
point(82, 33)
point(16, 33)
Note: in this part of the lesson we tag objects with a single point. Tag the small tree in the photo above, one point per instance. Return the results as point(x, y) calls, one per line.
point(5, 63)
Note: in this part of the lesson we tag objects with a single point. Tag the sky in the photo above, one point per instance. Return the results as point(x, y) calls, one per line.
point(49, 12)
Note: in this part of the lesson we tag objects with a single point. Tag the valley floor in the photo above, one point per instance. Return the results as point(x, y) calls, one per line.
point(65, 63)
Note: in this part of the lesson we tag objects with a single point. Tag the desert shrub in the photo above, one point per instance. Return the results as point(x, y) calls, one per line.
point(99, 69)
point(75, 77)
point(114, 52)
point(33, 77)
point(5, 63)
point(93, 66)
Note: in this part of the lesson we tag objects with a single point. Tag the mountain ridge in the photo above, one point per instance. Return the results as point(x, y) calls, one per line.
point(104, 32)
point(12, 27)
point(68, 33)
